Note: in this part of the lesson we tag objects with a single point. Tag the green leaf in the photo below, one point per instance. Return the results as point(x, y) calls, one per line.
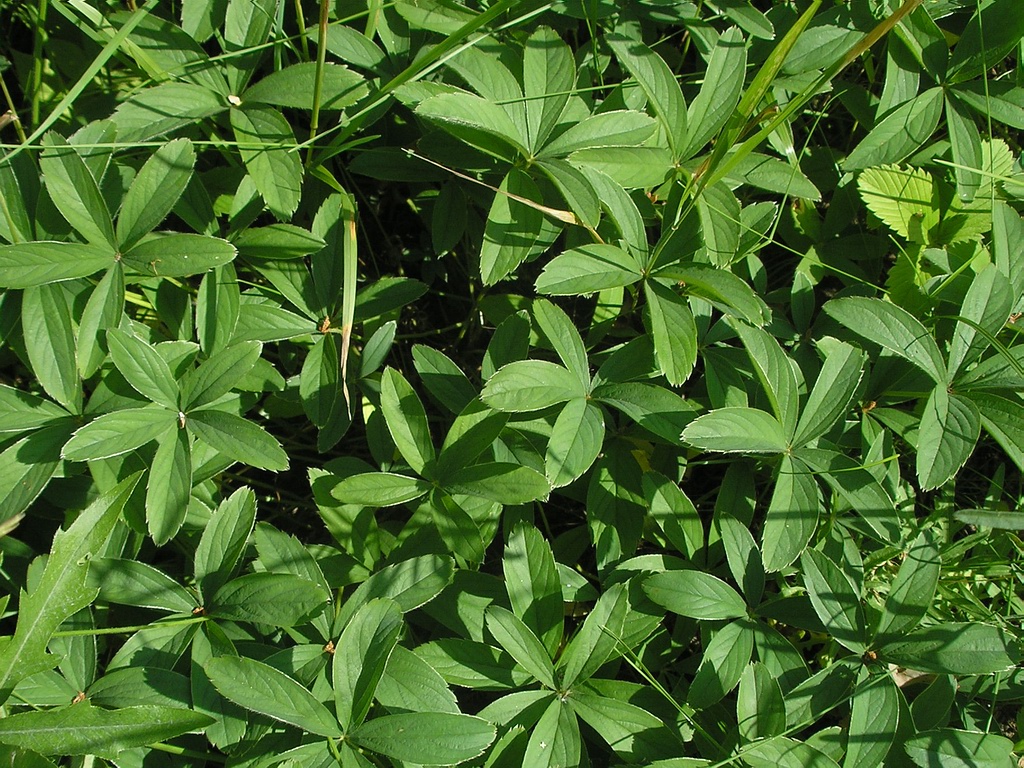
point(320, 380)
point(555, 740)
point(618, 128)
point(406, 420)
point(723, 289)
point(955, 649)
point(499, 481)
point(379, 489)
point(760, 710)
point(443, 378)
point(133, 582)
point(216, 376)
point(457, 528)
point(784, 752)
point(576, 440)
point(410, 583)
point(722, 665)
point(277, 242)
point(512, 227)
point(874, 715)
point(949, 430)
point(833, 391)
point(533, 585)
point(471, 664)
point(898, 134)
point(177, 255)
point(82, 729)
point(275, 599)
point(893, 328)
point(477, 122)
point(737, 430)
point(143, 368)
point(719, 93)
point(563, 336)
point(952, 748)
point(261, 688)
point(238, 439)
point(835, 599)
point(904, 199)
point(426, 737)
point(118, 432)
point(51, 344)
point(102, 312)
point(27, 465)
point(170, 485)
point(530, 385)
point(411, 684)
point(695, 594)
point(472, 433)
point(265, 138)
point(521, 644)
point(164, 108)
point(61, 589)
point(588, 269)
point(674, 513)
point(984, 312)
point(994, 30)
point(598, 639)
point(154, 191)
point(792, 515)
point(632, 732)
point(672, 327)
point(965, 146)
point(549, 77)
point(911, 593)
point(659, 85)
point(74, 191)
point(655, 408)
point(858, 486)
point(719, 212)
point(223, 541)
point(361, 656)
point(294, 86)
point(23, 411)
point(37, 263)
point(774, 370)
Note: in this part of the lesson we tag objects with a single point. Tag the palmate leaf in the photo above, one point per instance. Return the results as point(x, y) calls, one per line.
point(695, 594)
point(61, 590)
point(531, 385)
point(177, 254)
point(406, 420)
point(520, 642)
point(82, 729)
point(722, 665)
point(274, 599)
point(835, 599)
point(75, 192)
point(533, 584)
point(118, 432)
point(674, 331)
point(588, 269)
point(792, 514)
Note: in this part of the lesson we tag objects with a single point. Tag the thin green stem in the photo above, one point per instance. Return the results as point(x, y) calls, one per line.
point(318, 82)
point(96, 631)
point(38, 60)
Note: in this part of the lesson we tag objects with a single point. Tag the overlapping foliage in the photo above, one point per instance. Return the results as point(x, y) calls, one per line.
point(512, 384)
